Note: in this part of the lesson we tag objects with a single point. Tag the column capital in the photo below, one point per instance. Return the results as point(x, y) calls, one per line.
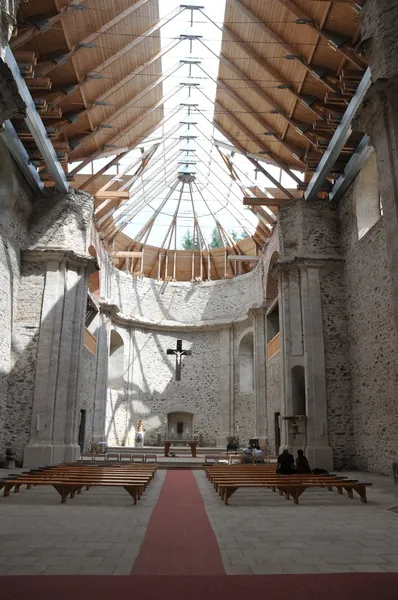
point(302, 263)
point(60, 255)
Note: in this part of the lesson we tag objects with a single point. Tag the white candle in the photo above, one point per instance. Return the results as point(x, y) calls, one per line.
point(187, 431)
point(172, 430)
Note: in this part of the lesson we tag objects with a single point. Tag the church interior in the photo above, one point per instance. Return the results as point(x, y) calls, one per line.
point(198, 295)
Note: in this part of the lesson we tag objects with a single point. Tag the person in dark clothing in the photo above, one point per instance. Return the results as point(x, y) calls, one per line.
point(302, 465)
point(285, 463)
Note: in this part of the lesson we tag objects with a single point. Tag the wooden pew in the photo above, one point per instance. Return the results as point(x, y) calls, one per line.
point(71, 479)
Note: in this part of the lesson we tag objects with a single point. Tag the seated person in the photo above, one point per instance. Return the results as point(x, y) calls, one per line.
point(247, 455)
point(285, 463)
point(302, 465)
point(258, 454)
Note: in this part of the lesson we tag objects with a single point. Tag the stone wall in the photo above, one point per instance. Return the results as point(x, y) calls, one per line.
point(86, 393)
point(154, 302)
point(274, 398)
point(337, 364)
point(150, 390)
point(372, 339)
point(15, 207)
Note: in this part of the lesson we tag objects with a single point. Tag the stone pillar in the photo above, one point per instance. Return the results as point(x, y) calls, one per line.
point(302, 347)
point(260, 374)
point(226, 386)
point(101, 375)
point(54, 428)
point(318, 449)
point(378, 116)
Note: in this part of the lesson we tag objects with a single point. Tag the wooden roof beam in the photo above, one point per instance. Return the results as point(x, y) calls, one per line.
point(261, 61)
point(104, 169)
point(60, 59)
point(291, 50)
point(31, 32)
point(297, 153)
point(128, 105)
point(300, 128)
point(347, 53)
point(247, 132)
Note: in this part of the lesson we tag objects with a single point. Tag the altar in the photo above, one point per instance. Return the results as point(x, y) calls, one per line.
point(169, 443)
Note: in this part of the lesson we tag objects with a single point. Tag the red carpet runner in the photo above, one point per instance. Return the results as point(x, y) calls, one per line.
point(179, 538)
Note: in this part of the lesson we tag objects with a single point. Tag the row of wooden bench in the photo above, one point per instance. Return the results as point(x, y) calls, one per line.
point(227, 479)
point(123, 457)
point(70, 479)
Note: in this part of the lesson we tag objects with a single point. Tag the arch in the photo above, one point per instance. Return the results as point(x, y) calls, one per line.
point(271, 288)
point(367, 201)
point(180, 425)
point(94, 280)
point(115, 361)
point(246, 363)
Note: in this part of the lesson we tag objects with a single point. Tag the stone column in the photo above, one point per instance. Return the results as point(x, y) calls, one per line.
point(260, 374)
point(101, 375)
point(302, 346)
point(54, 429)
point(318, 449)
point(226, 386)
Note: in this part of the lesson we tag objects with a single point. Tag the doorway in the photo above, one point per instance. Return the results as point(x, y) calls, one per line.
point(82, 430)
point(277, 421)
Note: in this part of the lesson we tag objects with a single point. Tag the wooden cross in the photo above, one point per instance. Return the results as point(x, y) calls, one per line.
point(179, 353)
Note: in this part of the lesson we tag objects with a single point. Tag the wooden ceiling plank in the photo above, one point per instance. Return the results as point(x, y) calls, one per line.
point(47, 68)
point(247, 132)
point(260, 60)
point(31, 32)
point(291, 50)
point(128, 105)
point(103, 97)
point(323, 33)
point(296, 152)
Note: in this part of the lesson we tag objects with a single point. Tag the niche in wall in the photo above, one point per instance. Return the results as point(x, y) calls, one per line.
point(367, 201)
point(273, 327)
point(298, 391)
point(116, 362)
point(246, 364)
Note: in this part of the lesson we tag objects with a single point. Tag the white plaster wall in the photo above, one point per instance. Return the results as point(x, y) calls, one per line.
point(150, 391)
point(153, 302)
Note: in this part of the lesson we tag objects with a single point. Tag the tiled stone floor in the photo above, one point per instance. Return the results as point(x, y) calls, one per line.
point(260, 532)
point(100, 532)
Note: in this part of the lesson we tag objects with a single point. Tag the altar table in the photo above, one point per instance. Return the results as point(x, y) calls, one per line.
point(169, 443)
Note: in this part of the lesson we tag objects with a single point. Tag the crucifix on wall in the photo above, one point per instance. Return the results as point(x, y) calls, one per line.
point(179, 353)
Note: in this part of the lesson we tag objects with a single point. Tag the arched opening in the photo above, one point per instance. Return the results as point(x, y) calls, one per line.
point(94, 278)
point(367, 200)
point(180, 426)
point(116, 362)
point(298, 390)
point(246, 364)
